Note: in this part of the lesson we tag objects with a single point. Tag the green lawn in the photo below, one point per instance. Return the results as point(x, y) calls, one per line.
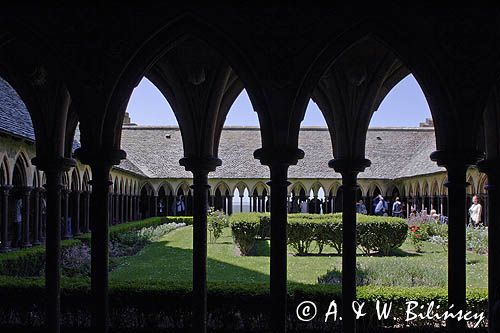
point(170, 259)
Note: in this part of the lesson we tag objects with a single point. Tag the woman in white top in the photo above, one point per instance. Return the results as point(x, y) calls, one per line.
point(475, 211)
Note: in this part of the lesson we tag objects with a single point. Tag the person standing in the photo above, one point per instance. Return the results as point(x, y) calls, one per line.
point(397, 208)
point(361, 207)
point(475, 211)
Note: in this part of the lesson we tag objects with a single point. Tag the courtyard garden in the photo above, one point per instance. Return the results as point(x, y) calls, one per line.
point(151, 271)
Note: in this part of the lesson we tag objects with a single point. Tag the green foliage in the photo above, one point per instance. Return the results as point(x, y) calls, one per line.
point(477, 239)
point(245, 228)
point(233, 305)
point(29, 261)
point(217, 221)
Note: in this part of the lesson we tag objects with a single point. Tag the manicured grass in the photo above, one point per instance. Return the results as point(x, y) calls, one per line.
point(170, 259)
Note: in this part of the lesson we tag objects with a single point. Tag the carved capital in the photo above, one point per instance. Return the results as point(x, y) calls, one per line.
point(100, 156)
point(196, 164)
point(283, 155)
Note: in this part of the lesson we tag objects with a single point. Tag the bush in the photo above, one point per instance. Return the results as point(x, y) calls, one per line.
point(244, 228)
point(148, 305)
point(380, 233)
point(301, 234)
point(29, 261)
point(477, 239)
point(217, 221)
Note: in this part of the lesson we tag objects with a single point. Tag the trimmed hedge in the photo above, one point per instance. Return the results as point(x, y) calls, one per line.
point(150, 305)
point(31, 261)
point(374, 233)
point(117, 229)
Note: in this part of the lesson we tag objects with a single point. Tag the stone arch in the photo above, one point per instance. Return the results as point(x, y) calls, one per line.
point(4, 172)
point(182, 189)
point(19, 172)
point(75, 180)
point(166, 39)
point(86, 180)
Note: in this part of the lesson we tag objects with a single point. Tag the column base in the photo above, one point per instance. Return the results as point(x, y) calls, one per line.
point(37, 243)
point(26, 245)
point(5, 249)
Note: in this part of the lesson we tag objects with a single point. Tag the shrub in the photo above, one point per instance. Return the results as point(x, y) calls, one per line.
point(379, 233)
point(301, 234)
point(217, 221)
point(29, 261)
point(329, 233)
point(264, 226)
point(244, 228)
point(148, 305)
point(477, 239)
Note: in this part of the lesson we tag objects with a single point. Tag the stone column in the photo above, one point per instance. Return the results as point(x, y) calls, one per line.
point(349, 170)
point(230, 205)
point(36, 216)
point(65, 214)
point(75, 220)
point(4, 197)
point(26, 194)
point(241, 203)
point(456, 165)
point(86, 212)
point(491, 167)
point(155, 205)
point(278, 159)
point(200, 167)
point(100, 245)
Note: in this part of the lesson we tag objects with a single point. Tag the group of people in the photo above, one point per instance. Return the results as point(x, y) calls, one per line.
point(380, 207)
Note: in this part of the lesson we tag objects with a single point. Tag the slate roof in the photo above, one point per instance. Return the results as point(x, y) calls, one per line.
point(394, 152)
point(14, 117)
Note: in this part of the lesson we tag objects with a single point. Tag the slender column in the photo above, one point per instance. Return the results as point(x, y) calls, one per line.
point(230, 205)
point(100, 246)
point(4, 192)
point(155, 207)
point(349, 170)
point(86, 211)
point(76, 213)
point(36, 216)
point(26, 193)
point(492, 169)
point(127, 208)
point(65, 214)
point(42, 212)
point(241, 203)
point(200, 167)
point(456, 165)
point(259, 203)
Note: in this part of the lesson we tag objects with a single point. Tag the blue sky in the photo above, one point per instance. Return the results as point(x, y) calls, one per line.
point(405, 105)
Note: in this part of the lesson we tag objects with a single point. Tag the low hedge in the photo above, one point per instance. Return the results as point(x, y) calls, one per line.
point(31, 261)
point(374, 233)
point(117, 229)
point(28, 261)
point(150, 305)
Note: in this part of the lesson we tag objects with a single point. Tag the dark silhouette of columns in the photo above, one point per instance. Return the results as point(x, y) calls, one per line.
point(492, 169)
point(200, 167)
point(26, 194)
point(456, 165)
point(36, 216)
point(75, 216)
point(86, 212)
point(100, 245)
point(4, 197)
point(278, 160)
point(349, 170)
point(65, 214)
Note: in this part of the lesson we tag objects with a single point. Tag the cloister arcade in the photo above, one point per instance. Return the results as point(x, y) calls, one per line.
point(74, 65)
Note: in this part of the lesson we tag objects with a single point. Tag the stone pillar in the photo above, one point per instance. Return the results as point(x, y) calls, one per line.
point(241, 203)
point(86, 211)
point(259, 203)
point(155, 205)
point(4, 197)
point(36, 216)
point(200, 167)
point(491, 167)
point(65, 214)
point(349, 170)
point(75, 220)
point(26, 194)
point(456, 165)
point(278, 159)
point(230, 205)
point(100, 245)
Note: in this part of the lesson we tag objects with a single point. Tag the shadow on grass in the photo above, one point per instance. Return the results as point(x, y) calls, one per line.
point(160, 261)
